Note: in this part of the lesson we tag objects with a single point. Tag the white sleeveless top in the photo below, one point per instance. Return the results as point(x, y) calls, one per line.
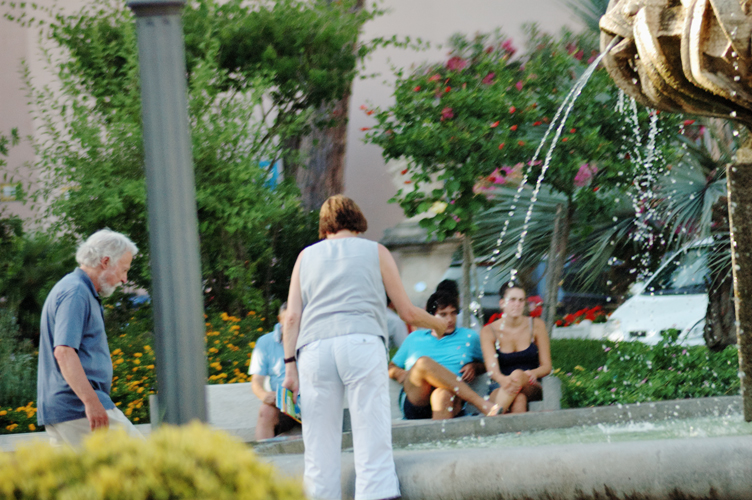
point(342, 290)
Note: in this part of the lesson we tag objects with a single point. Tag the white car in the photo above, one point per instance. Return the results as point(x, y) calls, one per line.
point(674, 297)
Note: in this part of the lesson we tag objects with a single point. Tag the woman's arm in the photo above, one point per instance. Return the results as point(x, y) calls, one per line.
point(544, 349)
point(396, 291)
point(488, 346)
point(292, 328)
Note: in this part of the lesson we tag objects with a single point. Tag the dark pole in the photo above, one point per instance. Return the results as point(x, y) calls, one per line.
point(173, 225)
point(739, 178)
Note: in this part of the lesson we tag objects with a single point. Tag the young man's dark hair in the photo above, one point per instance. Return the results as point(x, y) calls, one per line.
point(448, 286)
point(440, 300)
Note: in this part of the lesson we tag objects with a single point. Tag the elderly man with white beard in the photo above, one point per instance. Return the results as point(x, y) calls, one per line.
point(75, 369)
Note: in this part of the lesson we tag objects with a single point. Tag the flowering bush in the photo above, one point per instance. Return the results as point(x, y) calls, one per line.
point(635, 372)
point(175, 462)
point(595, 314)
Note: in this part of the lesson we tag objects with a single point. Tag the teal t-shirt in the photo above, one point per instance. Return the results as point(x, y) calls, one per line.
point(452, 351)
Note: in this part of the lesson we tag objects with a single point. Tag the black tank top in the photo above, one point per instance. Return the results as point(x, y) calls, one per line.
point(526, 359)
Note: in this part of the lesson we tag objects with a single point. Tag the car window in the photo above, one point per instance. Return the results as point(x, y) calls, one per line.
point(685, 273)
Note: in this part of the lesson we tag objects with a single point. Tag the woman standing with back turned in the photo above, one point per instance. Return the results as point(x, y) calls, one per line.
point(334, 338)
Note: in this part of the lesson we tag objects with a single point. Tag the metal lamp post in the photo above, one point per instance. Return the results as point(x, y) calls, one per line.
point(173, 224)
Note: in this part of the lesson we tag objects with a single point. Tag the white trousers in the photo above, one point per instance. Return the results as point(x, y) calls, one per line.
point(326, 367)
point(72, 432)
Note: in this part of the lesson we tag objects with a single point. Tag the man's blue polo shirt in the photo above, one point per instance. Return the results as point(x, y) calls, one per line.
point(268, 358)
point(452, 351)
point(72, 316)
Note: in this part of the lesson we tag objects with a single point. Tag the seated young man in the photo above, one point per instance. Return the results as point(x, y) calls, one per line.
point(267, 360)
point(433, 369)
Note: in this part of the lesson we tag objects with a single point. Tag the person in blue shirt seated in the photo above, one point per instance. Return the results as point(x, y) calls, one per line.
point(434, 369)
point(267, 360)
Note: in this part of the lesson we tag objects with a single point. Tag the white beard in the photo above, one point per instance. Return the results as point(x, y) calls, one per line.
point(105, 289)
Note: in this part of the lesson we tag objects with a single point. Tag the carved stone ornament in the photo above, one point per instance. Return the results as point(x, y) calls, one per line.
point(689, 56)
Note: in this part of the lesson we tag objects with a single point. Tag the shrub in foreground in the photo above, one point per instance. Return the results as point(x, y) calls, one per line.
point(173, 463)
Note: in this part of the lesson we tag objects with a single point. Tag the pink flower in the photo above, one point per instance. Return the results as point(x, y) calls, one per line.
point(447, 114)
point(456, 64)
point(434, 78)
point(579, 55)
point(584, 175)
point(606, 349)
point(497, 177)
point(613, 390)
point(518, 85)
point(488, 80)
point(508, 47)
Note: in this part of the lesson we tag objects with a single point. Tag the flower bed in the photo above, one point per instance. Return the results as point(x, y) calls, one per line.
point(229, 342)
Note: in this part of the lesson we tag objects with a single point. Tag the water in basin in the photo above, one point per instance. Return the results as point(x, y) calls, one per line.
point(716, 426)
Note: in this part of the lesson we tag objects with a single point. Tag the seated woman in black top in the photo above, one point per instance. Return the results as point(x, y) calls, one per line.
point(516, 351)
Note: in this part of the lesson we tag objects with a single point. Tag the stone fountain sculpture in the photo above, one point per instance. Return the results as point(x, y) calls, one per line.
point(695, 56)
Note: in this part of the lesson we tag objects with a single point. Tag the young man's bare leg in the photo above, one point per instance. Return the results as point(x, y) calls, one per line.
point(268, 418)
point(427, 373)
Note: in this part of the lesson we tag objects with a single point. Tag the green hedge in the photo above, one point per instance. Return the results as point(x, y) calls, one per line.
point(597, 373)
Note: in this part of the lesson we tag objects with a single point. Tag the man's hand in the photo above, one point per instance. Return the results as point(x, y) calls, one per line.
point(270, 399)
point(96, 415)
point(468, 373)
point(397, 373)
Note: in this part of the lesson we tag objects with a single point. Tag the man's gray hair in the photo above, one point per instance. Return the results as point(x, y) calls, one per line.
point(104, 243)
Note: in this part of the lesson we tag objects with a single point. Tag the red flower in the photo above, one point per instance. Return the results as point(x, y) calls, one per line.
point(535, 124)
point(512, 110)
point(488, 78)
point(447, 114)
point(447, 89)
point(434, 78)
point(404, 171)
point(520, 143)
point(596, 188)
point(565, 139)
point(501, 146)
point(456, 64)
point(579, 55)
point(416, 89)
point(688, 122)
point(363, 129)
point(408, 182)
point(369, 112)
point(495, 124)
point(572, 131)
point(513, 128)
point(363, 107)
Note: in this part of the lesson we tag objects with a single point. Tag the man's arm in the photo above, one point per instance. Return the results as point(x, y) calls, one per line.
point(73, 373)
point(266, 397)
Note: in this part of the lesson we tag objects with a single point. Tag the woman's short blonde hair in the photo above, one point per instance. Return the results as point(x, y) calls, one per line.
point(339, 212)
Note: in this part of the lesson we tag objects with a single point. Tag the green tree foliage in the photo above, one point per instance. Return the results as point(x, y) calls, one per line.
point(91, 150)
point(479, 117)
point(30, 264)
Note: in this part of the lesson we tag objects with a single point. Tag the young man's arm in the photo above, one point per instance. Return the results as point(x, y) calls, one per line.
point(257, 386)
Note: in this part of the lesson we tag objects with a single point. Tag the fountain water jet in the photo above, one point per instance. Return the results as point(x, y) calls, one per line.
point(694, 56)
